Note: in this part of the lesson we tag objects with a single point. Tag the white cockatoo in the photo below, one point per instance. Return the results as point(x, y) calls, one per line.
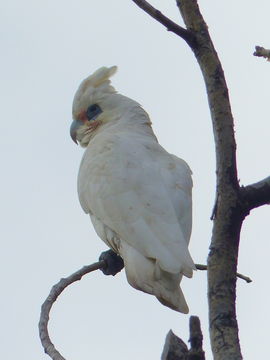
point(138, 195)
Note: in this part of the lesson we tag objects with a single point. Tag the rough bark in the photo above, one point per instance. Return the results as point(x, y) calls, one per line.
point(222, 259)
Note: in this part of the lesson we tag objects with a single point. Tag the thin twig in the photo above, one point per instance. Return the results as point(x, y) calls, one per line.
point(243, 277)
point(168, 23)
point(56, 290)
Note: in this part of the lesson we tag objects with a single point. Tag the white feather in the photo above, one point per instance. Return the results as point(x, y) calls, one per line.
point(139, 198)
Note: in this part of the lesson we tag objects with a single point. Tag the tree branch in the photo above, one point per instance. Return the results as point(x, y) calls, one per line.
point(169, 24)
point(56, 290)
point(174, 348)
point(240, 276)
point(257, 194)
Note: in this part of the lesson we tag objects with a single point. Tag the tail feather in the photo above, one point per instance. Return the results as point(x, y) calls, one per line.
point(146, 275)
point(174, 300)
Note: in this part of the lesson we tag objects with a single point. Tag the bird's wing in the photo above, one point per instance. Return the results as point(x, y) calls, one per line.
point(143, 194)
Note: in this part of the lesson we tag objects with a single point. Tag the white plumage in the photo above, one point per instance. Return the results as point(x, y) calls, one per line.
point(137, 194)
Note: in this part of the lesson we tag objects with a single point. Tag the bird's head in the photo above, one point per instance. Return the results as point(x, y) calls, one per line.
point(93, 105)
point(96, 103)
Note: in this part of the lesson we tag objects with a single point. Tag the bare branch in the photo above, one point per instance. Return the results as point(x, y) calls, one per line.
point(257, 194)
point(262, 52)
point(56, 290)
point(169, 24)
point(243, 277)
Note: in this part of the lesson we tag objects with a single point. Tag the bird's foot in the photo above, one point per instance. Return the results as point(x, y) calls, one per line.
point(114, 262)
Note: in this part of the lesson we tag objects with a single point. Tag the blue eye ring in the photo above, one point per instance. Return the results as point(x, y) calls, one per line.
point(93, 111)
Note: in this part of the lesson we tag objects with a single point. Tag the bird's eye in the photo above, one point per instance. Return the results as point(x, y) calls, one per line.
point(93, 111)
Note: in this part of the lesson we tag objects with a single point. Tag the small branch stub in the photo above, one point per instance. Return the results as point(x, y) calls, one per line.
point(262, 52)
point(196, 351)
point(174, 348)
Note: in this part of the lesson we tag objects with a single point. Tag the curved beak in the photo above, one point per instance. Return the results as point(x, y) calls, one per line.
point(73, 130)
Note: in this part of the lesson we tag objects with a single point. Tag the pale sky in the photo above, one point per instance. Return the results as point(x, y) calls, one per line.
point(47, 48)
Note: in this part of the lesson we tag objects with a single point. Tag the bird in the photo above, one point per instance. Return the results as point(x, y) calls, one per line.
point(138, 196)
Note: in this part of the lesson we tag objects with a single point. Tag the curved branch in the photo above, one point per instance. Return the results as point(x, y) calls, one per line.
point(168, 23)
point(56, 290)
point(257, 194)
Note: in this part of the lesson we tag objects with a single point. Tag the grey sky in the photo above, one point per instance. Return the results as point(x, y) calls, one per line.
point(48, 47)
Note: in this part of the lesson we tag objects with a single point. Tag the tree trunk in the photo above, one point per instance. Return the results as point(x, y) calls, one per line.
point(228, 216)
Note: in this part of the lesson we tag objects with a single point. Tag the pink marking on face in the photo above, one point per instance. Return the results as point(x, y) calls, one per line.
point(83, 117)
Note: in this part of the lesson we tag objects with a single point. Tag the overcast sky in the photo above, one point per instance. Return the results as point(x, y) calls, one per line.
point(47, 48)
